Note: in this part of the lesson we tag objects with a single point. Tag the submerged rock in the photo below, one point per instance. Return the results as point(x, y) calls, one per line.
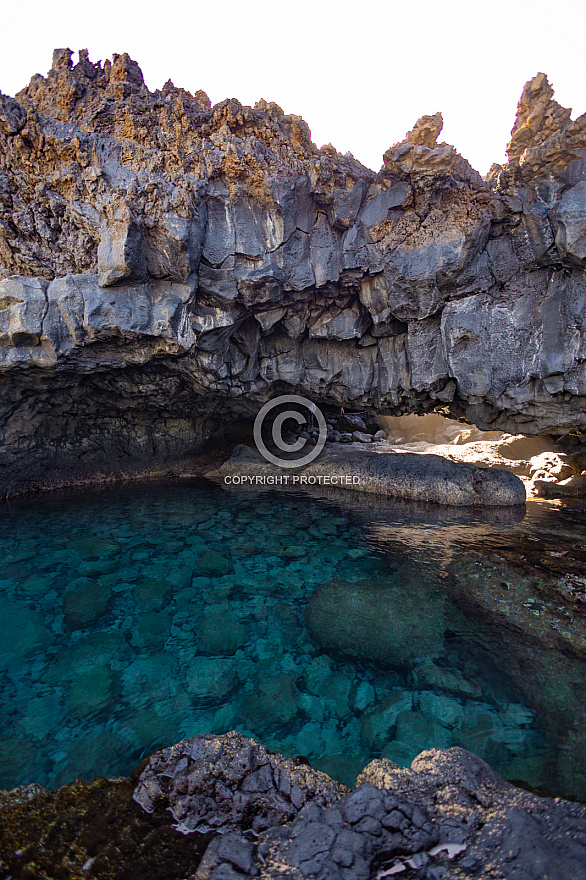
point(377, 623)
point(84, 604)
point(220, 632)
point(210, 680)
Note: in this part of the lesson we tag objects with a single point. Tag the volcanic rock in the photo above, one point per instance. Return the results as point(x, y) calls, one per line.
point(223, 783)
point(167, 266)
point(447, 816)
point(415, 476)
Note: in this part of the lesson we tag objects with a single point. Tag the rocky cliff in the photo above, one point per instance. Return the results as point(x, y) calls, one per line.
point(169, 265)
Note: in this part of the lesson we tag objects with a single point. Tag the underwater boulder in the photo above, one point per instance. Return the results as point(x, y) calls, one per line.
point(376, 621)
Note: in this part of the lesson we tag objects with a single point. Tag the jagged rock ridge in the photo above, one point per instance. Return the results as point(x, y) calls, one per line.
point(167, 262)
point(447, 817)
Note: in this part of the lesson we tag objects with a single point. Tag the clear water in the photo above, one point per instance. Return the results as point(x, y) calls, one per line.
point(337, 629)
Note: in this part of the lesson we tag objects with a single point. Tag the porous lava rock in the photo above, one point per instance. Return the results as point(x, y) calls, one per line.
point(167, 266)
point(447, 817)
point(223, 783)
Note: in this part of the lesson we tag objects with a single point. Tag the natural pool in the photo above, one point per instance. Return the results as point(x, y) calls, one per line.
point(339, 628)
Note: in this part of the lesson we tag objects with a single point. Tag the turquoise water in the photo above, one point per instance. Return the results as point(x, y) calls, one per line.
point(134, 617)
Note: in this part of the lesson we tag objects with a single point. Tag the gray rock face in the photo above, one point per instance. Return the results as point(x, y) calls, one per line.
point(223, 783)
point(401, 475)
point(448, 816)
point(195, 261)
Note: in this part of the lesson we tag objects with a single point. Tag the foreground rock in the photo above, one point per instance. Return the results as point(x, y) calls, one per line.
point(447, 817)
point(215, 783)
point(417, 477)
point(92, 830)
point(161, 256)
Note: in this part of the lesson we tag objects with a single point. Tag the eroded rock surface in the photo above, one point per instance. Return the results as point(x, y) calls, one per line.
point(414, 476)
point(162, 257)
point(223, 783)
point(447, 817)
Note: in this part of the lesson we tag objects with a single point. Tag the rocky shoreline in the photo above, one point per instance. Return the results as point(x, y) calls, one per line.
point(167, 267)
point(224, 808)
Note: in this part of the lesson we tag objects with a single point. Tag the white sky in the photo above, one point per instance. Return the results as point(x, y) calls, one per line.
point(360, 74)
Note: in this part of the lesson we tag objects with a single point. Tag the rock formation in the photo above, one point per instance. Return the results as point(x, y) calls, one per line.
point(428, 478)
point(447, 817)
point(169, 265)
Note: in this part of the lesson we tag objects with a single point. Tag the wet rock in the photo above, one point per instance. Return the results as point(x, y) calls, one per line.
point(480, 732)
point(97, 567)
point(90, 691)
point(150, 680)
point(445, 679)
point(153, 593)
point(84, 604)
point(152, 629)
point(418, 732)
point(95, 754)
point(146, 729)
point(91, 548)
point(277, 691)
point(44, 715)
point(211, 563)
point(36, 585)
point(364, 695)
point(17, 755)
point(378, 726)
point(444, 709)
point(336, 691)
point(317, 672)
point(98, 648)
point(24, 631)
